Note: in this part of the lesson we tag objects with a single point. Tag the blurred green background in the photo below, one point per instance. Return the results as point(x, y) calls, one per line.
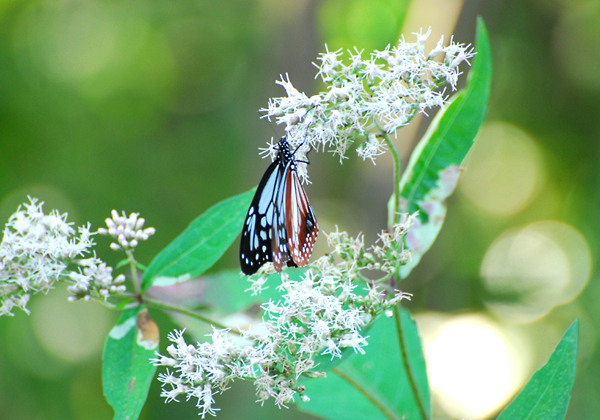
point(150, 106)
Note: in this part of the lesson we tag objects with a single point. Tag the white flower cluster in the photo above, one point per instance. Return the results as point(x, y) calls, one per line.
point(37, 250)
point(94, 280)
point(383, 92)
point(320, 315)
point(391, 252)
point(198, 369)
point(126, 230)
point(35, 253)
point(387, 257)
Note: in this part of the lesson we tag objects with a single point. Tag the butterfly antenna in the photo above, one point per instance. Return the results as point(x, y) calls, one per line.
point(270, 125)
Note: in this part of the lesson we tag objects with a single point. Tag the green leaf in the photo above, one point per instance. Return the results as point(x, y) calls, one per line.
point(222, 296)
point(126, 368)
point(121, 305)
point(547, 395)
point(226, 294)
point(388, 382)
point(363, 24)
point(204, 241)
point(122, 263)
point(435, 164)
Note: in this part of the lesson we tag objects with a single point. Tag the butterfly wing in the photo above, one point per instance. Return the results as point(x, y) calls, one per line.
point(301, 224)
point(281, 250)
point(257, 233)
point(264, 236)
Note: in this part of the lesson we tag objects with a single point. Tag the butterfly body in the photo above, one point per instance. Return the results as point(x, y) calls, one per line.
point(280, 225)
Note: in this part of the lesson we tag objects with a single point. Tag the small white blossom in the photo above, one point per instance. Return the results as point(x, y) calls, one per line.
point(392, 250)
point(285, 395)
point(96, 277)
point(128, 231)
point(205, 400)
point(257, 284)
point(372, 148)
point(356, 341)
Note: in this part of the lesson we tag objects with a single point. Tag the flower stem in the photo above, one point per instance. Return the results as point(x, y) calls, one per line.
point(165, 306)
point(133, 268)
point(397, 168)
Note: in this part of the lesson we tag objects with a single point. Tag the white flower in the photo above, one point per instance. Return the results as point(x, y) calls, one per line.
point(257, 284)
point(285, 394)
point(356, 341)
point(126, 230)
point(96, 277)
point(205, 400)
point(371, 148)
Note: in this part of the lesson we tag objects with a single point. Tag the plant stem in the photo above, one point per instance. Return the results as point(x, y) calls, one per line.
point(395, 216)
point(165, 306)
point(133, 268)
point(397, 168)
point(407, 366)
point(105, 303)
point(125, 295)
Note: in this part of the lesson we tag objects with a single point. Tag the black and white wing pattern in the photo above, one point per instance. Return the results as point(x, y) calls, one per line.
point(280, 225)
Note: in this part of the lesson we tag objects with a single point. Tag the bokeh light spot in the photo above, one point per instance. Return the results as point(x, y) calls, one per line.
point(532, 270)
point(81, 42)
point(71, 331)
point(474, 368)
point(504, 172)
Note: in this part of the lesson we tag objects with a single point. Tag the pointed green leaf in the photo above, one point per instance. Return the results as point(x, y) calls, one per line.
point(222, 297)
point(126, 368)
point(122, 263)
point(547, 395)
point(435, 164)
point(388, 382)
point(204, 241)
point(226, 293)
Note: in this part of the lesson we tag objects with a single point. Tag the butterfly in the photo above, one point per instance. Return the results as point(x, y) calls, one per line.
point(280, 225)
